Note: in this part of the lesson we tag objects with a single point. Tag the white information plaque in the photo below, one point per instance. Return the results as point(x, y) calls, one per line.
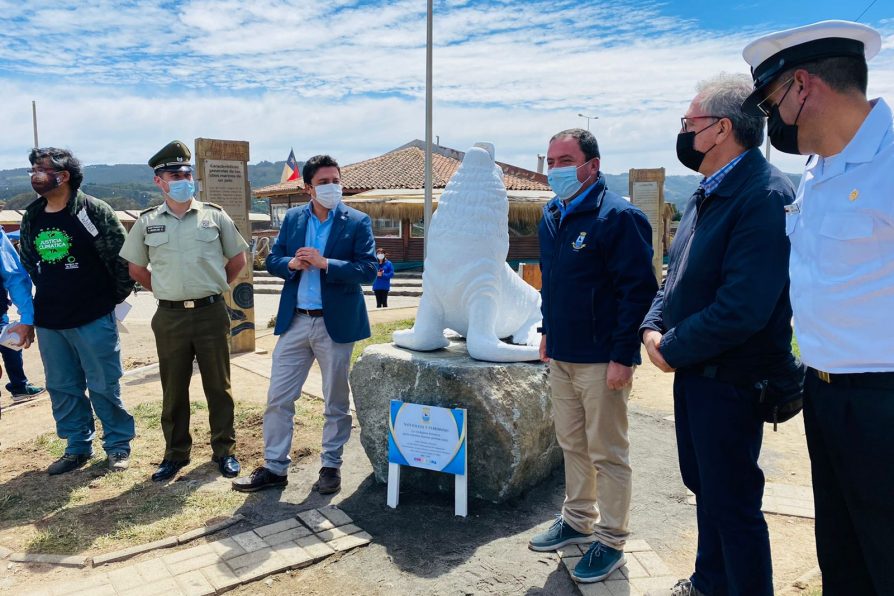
point(431, 438)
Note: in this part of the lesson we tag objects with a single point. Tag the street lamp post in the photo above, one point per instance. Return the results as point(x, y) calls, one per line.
point(588, 119)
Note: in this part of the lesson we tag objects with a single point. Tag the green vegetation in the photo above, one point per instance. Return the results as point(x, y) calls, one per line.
point(92, 510)
point(381, 334)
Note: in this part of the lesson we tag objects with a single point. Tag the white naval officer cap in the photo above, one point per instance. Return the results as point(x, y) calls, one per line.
point(777, 52)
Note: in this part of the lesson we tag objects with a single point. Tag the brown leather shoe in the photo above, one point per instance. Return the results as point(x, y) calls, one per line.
point(329, 481)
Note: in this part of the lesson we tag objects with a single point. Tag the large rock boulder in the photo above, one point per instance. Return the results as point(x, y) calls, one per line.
point(511, 440)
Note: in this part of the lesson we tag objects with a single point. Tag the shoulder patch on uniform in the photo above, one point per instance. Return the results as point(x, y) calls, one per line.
point(145, 211)
point(214, 205)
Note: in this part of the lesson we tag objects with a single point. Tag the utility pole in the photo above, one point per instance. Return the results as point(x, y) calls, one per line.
point(427, 210)
point(34, 121)
point(588, 119)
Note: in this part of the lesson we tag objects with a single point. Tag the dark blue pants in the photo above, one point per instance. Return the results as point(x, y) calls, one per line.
point(850, 435)
point(15, 369)
point(719, 435)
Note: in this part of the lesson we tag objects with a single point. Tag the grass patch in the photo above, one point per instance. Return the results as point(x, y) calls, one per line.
point(381, 334)
point(51, 443)
point(93, 510)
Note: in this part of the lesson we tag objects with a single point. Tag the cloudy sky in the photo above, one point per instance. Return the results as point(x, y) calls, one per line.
point(114, 81)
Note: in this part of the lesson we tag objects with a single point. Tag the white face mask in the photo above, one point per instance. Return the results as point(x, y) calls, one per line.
point(328, 195)
point(380, 256)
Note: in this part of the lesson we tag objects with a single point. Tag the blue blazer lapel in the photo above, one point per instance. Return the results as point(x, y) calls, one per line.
point(300, 229)
point(338, 224)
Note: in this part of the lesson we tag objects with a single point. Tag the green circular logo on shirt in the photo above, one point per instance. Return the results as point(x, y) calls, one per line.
point(52, 245)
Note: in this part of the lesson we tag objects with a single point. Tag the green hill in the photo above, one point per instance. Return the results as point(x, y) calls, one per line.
point(129, 186)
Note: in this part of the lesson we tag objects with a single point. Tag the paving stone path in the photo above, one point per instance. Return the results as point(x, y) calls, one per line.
point(782, 499)
point(219, 566)
point(644, 571)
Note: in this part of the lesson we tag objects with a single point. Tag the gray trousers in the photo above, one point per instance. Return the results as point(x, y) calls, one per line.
point(306, 340)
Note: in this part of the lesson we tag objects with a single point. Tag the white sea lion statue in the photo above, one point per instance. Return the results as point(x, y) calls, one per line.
point(468, 286)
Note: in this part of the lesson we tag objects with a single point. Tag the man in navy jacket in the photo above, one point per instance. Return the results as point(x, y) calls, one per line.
point(722, 321)
point(598, 282)
point(324, 251)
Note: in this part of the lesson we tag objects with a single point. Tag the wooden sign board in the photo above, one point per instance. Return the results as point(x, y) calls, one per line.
point(222, 170)
point(647, 192)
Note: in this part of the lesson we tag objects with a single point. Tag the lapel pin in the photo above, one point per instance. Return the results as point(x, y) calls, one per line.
point(854, 194)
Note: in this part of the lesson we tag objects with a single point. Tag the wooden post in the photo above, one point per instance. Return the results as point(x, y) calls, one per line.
point(647, 192)
point(222, 172)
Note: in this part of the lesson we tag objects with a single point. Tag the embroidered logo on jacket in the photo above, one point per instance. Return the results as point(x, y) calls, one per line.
point(579, 243)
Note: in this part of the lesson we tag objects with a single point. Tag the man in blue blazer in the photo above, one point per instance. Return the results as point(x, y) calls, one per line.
point(324, 251)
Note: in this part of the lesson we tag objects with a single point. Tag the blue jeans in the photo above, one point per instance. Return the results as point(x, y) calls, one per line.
point(80, 359)
point(14, 364)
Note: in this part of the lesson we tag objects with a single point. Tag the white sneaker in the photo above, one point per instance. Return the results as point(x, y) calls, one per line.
point(119, 461)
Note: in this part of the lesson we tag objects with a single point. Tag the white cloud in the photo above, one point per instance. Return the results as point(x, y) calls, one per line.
point(114, 81)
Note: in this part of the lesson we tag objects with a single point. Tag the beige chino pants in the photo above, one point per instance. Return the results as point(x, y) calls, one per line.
point(591, 428)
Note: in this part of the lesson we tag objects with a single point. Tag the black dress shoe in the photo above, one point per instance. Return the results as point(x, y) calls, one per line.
point(329, 481)
point(168, 468)
point(229, 465)
point(260, 479)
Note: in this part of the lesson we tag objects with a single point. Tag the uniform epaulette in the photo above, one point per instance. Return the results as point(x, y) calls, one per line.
point(215, 205)
point(145, 211)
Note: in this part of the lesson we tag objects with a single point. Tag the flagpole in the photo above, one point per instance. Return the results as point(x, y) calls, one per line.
point(428, 129)
point(34, 121)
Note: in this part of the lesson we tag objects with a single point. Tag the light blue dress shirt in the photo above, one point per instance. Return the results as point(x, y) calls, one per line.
point(572, 205)
point(841, 227)
point(710, 184)
point(16, 280)
point(310, 293)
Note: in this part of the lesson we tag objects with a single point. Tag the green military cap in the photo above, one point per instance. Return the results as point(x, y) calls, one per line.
point(173, 157)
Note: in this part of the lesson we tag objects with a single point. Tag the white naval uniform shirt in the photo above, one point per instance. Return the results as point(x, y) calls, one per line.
point(841, 227)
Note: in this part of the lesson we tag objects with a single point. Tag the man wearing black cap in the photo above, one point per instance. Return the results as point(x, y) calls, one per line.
point(195, 252)
point(811, 82)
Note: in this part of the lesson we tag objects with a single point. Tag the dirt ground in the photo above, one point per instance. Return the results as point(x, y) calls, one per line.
point(421, 548)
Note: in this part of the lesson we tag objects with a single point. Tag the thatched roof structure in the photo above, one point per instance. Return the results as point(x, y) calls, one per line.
point(403, 169)
point(525, 207)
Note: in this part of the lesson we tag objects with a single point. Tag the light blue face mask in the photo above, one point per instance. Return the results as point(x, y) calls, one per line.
point(181, 190)
point(564, 182)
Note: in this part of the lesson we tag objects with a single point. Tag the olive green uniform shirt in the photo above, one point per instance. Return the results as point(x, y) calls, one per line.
point(187, 254)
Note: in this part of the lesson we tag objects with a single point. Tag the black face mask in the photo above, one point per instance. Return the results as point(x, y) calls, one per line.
point(688, 155)
point(783, 137)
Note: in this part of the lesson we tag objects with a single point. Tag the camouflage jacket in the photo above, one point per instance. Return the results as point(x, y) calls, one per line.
point(107, 240)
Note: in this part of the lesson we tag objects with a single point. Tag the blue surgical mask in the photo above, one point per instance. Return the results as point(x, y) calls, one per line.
point(564, 182)
point(181, 190)
point(328, 195)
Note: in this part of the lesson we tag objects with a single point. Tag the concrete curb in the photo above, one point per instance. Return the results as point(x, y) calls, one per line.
point(61, 560)
point(123, 554)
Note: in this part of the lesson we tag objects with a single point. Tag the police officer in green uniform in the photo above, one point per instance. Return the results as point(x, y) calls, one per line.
point(194, 252)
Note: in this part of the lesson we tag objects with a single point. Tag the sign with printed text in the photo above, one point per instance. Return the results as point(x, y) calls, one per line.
point(646, 188)
point(427, 437)
point(221, 167)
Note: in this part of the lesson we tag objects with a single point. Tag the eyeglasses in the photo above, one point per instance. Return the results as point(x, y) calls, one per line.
point(765, 107)
point(684, 119)
point(36, 171)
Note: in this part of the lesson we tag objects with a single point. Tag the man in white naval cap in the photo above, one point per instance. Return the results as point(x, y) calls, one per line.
point(811, 84)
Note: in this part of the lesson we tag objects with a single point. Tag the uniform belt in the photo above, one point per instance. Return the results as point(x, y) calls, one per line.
point(869, 380)
point(197, 303)
point(311, 312)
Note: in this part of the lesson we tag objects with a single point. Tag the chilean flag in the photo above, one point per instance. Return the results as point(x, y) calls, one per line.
point(290, 170)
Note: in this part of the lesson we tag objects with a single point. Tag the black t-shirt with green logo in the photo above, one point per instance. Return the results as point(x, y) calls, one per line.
point(72, 284)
